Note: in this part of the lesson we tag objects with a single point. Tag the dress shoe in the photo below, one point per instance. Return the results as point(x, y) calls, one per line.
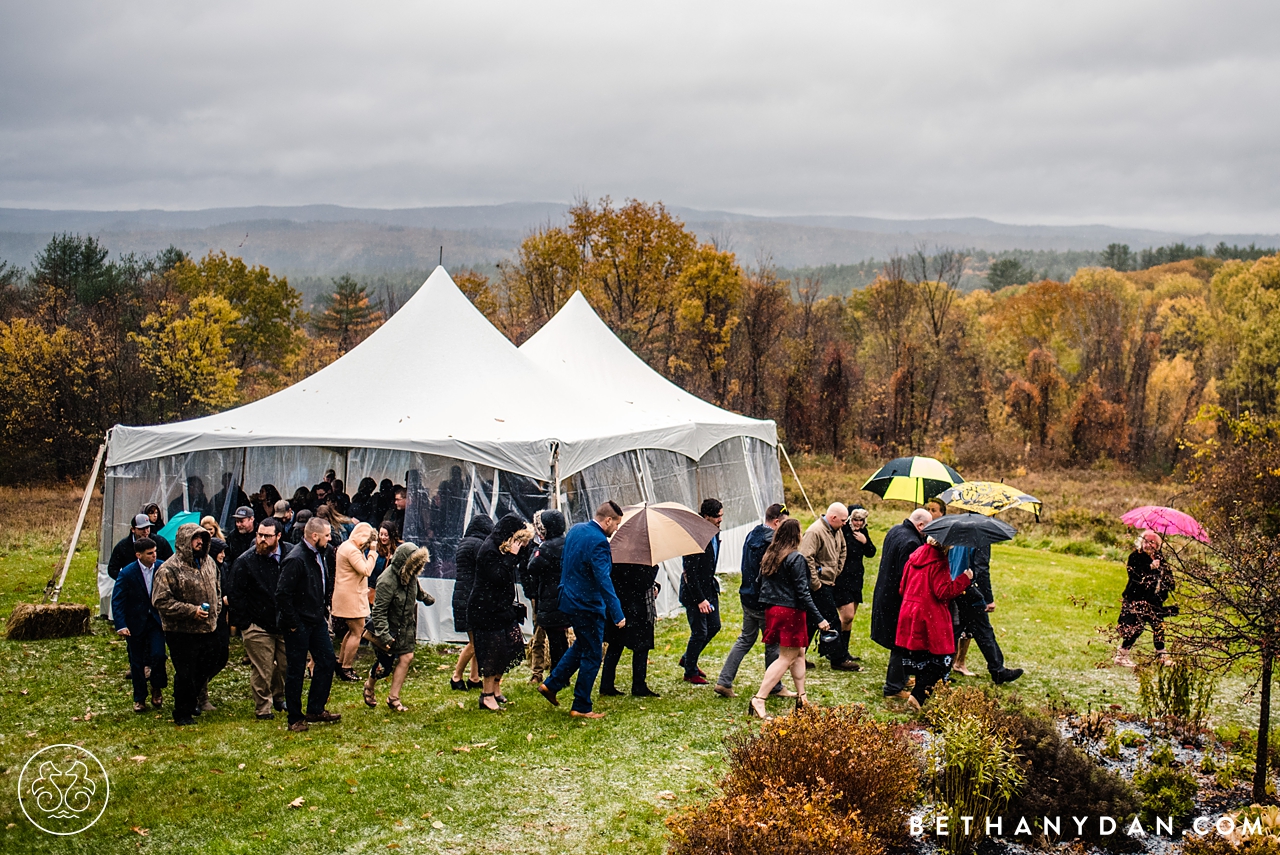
point(278, 706)
point(140, 708)
point(846, 665)
point(576, 714)
point(548, 694)
point(265, 716)
point(326, 717)
point(207, 707)
point(898, 696)
point(1008, 675)
point(724, 691)
point(609, 692)
point(300, 726)
point(183, 722)
point(644, 692)
point(912, 703)
point(157, 701)
point(696, 679)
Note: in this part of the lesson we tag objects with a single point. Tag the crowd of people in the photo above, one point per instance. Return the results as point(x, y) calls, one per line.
point(306, 581)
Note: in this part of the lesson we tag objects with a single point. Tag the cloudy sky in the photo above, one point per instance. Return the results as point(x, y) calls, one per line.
point(1157, 114)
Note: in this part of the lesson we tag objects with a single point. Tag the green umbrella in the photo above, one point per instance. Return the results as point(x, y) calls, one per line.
point(912, 479)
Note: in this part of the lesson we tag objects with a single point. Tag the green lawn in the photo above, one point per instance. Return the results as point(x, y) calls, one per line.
point(446, 777)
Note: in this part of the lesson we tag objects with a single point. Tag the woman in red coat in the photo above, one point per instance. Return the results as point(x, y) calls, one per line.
point(925, 637)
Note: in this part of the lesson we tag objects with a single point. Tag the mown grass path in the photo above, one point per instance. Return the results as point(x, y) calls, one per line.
point(446, 777)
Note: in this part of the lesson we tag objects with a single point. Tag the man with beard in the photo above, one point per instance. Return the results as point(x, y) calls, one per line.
point(254, 578)
point(886, 602)
point(303, 595)
point(187, 594)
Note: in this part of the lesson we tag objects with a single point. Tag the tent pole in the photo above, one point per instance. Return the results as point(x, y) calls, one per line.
point(555, 475)
point(797, 477)
point(51, 596)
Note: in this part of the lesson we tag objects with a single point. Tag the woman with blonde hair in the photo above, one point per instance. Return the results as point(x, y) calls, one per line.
point(210, 525)
point(343, 526)
point(355, 561)
point(789, 606)
point(394, 623)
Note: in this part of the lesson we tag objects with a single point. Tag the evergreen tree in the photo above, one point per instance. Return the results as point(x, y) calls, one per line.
point(348, 317)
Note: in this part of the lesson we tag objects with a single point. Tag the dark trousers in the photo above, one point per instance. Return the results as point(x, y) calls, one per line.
point(702, 628)
point(192, 653)
point(583, 657)
point(824, 599)
point(313, 639)
point(639, 669)
point(146, 650)
point(557, 643)
point(975, 621)
point(752, 628)
point(895, 677)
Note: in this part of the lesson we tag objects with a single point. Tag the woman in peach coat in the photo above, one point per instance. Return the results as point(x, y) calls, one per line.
point(355, 562)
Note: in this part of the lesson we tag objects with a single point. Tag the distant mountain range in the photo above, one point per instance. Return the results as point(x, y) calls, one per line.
point(327, 240)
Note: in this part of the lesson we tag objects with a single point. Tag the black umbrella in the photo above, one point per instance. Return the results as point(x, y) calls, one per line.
point(969, 530)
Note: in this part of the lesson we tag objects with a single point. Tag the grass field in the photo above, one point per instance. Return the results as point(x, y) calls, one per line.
point(446, 777)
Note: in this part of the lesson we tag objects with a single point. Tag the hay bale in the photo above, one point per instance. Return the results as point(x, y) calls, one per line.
point(32, 621)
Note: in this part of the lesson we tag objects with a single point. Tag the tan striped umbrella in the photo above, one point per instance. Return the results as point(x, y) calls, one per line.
point(651, 533)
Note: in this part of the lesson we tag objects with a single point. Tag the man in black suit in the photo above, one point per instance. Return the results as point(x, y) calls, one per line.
point(123, 553)
point(886, 602)
point(700, 596)
point(138, 622)
point(303, 595)
point(254, 579)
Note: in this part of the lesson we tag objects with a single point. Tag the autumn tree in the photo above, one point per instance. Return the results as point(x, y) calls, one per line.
point(190, 362)
point(347, 317)
point(710, 288)
point(763, 311)
point(1229, 588)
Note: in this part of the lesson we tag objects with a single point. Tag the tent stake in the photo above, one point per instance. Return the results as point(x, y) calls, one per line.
point(75, 535)
point(797, 477)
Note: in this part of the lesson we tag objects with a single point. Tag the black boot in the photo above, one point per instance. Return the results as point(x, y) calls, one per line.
point(609, 671)
point(640, 675)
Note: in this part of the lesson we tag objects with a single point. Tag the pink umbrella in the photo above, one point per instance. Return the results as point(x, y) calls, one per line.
point(1165, 521)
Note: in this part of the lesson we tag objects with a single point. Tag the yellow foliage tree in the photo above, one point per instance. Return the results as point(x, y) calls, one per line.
point(710, 290)
point(187, 357)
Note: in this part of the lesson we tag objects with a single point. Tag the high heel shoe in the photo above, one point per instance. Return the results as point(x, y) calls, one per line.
point(760, 712)
point(370, 699)
point(485, 706)
point(394, 703)
point(458, 685)
point(474, 684)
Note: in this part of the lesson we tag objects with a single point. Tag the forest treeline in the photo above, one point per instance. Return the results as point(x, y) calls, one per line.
point(1109, 365)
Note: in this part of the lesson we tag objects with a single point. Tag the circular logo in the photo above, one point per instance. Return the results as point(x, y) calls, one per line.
point(63, 789)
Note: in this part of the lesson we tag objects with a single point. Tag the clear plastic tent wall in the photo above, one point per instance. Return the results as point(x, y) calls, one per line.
point(460, 448)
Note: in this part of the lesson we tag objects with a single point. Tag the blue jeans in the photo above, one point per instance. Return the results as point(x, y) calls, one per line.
point(584, 657)
point(702, 628)
point(313, 639)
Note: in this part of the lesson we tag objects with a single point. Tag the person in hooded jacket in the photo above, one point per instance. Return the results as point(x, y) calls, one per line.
point(364, 504)
point(541, 581)
point(637, 590)
point(187, 593)
point(886, 601)
point(926, 638)
point(394, 621)
point(492, 612)
point(465, 560)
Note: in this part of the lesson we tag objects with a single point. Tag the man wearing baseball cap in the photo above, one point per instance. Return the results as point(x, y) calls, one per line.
point(122, 554)
point(241, 539)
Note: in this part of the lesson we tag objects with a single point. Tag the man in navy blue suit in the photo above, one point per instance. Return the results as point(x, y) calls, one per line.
point(587, 597)
point(138, 622)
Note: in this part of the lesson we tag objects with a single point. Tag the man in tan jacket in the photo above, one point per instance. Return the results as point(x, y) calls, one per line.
point(823, 547)
point(186, 592)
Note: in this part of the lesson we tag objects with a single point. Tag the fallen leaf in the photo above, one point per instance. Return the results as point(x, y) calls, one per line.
point(313, 807)
point(141, 832)
point(437, 824)
point(462, 748)
point(393, 845)
point(297, 803)
point(241, 766)
point(667, 795)
point(24, 691)
point(217, 771)
point(138, 758)
point(352, 781)
point(528, 737)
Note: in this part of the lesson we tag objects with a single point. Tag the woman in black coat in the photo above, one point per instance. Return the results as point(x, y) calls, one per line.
point(848, 587)
point(636, 587)
point(492, 608)
point(465, 561)
point(1142, 603)
point(541, 582)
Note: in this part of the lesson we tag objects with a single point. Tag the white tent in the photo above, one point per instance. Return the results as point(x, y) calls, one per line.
point(437, 399)
point(726, 456)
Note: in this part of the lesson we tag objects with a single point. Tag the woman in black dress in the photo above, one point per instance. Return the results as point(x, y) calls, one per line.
point(492, 609)
point(636, 586)
point(1142, 603)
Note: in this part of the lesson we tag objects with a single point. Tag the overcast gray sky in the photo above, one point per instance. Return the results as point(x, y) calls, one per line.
point(1157, 114)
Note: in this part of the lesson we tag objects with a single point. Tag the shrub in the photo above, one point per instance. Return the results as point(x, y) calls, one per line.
point(779, 820)
point(868, 768)
point(1166, 789)
point(1178, 695)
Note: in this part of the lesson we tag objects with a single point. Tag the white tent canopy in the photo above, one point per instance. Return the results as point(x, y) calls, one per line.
point(437, 395)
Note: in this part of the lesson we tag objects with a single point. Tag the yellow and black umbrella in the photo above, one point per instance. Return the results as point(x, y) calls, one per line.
point(912, 479)
point(989, 498)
